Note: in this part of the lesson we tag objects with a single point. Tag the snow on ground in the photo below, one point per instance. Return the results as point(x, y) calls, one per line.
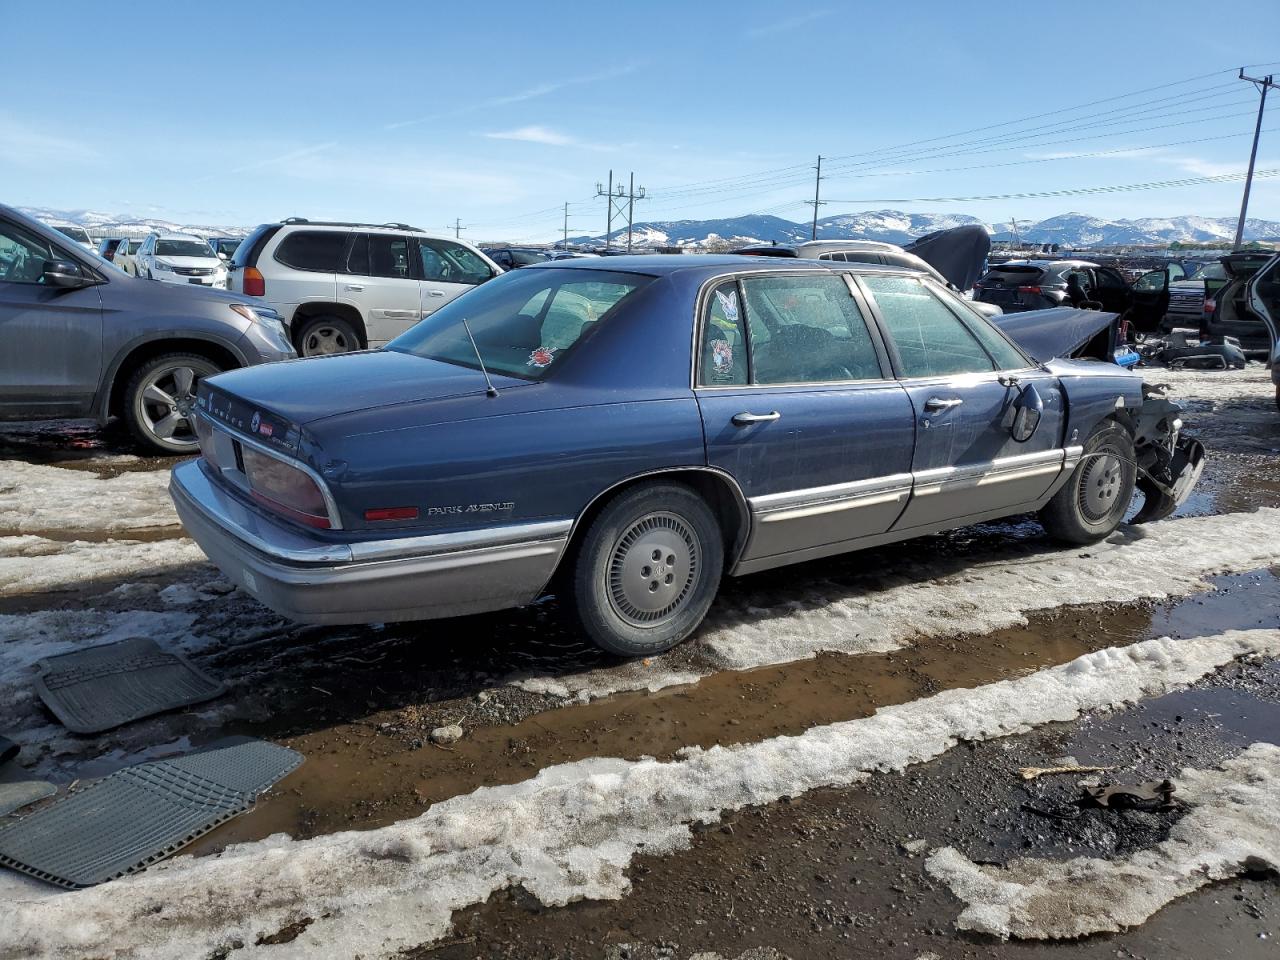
point(879, 612)
point(30, 564)
point(40, 499)
point(1214, 386)
point(566, 834)
point(1231, 829)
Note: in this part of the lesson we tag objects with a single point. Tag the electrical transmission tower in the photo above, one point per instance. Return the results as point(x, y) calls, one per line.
point(1263, 84)
point(621, 204)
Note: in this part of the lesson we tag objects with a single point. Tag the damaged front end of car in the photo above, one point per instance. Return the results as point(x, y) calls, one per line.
point(1169, 464)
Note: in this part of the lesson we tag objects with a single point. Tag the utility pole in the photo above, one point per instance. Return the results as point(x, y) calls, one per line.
point(620, 203)
point(566, 224)
point(1263, 84)
point(458, 228)
point(1017, 240)
point(817, 187)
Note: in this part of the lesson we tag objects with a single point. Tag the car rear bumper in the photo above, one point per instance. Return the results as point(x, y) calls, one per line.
point(314, 580)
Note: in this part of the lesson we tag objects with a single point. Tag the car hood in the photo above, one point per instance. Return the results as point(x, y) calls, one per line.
point(190, 261)
point(958, 253)
point(1060, 332)
point(305, 391)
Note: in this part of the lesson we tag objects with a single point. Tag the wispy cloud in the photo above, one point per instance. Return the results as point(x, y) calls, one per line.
point(22, 144)
point(781, 26)
point(530, 93)
point(546, 136)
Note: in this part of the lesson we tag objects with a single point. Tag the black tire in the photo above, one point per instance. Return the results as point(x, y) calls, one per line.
point(1094, 500)
point(645, 571)
point(326, 335)
point(171, 375)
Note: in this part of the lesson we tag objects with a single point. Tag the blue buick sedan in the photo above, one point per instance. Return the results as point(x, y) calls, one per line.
point(627, 431)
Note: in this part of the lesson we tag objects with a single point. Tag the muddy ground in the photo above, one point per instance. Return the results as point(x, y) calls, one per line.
point(832, 873)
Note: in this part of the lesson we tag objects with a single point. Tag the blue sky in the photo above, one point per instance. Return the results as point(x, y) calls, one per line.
point(496, 113)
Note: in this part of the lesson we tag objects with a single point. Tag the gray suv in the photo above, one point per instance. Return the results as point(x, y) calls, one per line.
point(81, 338)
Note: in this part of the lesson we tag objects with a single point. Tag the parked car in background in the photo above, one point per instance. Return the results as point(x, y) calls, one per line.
point(1042, 284)
point(634, 428)
point(79, 235)
point(224, 247)
point(511, 258)
point(348, 286)
point(1229, 308)
point(83, 340)
point(126, 255)
point(107, 247)
point(1187, 296)
point(180, 258)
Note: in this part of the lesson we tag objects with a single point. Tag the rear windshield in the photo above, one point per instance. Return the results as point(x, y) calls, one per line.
point(77, 234)
point(524, 323)
point(183, 248)
point(1019, 271)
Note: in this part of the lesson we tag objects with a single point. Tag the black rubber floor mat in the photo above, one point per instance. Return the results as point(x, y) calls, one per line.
point(103, 687)
point(18, 793)
point(136, 816)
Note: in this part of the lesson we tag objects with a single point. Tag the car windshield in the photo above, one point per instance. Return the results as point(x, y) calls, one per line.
point(1209, 271)
point(78, 234)
point(183, 248)
point(524, 323)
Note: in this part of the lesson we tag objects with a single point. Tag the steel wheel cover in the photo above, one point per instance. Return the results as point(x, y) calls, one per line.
point(1100, 484)
point(652, 569)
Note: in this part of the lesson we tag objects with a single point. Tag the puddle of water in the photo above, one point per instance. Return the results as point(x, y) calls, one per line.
point(368, 771)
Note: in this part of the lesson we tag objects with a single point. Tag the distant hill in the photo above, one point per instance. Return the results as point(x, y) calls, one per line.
point(110, 225)
point(894, 226)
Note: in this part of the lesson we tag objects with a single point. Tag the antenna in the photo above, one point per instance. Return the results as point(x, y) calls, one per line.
point(491, 390)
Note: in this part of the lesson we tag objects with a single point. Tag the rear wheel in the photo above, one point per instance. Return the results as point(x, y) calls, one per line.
point(160, 401)
point(1094, 500)
point(646, 570)
point(326, 335)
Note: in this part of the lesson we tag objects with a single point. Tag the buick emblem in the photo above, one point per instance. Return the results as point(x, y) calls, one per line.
point(253, 424)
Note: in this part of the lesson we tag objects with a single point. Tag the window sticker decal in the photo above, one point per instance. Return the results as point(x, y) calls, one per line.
point(728, 304)
point(542, 357)
point(722, 357)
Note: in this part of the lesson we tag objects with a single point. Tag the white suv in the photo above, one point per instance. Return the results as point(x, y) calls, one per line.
point(180, 258)
point(348, 286)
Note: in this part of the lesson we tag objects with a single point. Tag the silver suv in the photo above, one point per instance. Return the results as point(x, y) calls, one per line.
point(348, 286)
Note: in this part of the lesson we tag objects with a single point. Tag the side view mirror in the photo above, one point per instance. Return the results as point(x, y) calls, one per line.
point(64, 274)
point(1029, 409)
point(223, 256)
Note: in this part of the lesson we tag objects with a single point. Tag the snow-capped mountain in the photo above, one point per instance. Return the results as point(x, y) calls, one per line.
point(1068, 229)
point(119, 224)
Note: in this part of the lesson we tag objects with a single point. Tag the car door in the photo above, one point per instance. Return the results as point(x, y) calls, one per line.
point(448, 270)
point(1262, 294)
point(967, 385)
point(392, 291)
point(1149, 298)
point(51, 359)
point(798, 406)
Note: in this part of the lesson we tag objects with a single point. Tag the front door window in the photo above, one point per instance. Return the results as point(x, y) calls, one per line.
point(931, 340)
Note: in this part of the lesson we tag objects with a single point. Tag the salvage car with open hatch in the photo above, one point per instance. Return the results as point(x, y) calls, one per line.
point(626, 431)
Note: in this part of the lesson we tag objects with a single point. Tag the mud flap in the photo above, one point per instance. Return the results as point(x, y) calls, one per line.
point(1167, 490)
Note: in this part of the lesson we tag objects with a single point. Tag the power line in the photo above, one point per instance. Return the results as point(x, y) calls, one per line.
point(1074, 191)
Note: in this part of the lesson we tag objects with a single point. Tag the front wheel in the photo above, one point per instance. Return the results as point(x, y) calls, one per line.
point(646, 570)
point(160, 401)
point(1094, 500)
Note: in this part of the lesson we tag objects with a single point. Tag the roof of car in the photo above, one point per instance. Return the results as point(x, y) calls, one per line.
point(304, 224)
point(1044, 264)
point(665, 264)
point(179, 236)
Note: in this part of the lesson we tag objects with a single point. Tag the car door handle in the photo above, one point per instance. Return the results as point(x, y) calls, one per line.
point(936, 404)
point(435, 293)
point(745, 419)
point(354, 286)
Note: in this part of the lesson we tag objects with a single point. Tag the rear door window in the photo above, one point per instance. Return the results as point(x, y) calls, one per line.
point(722, 359)
point(931, 340)
point(389, 257)
point(807, 330)
point(358, 255)
point(317, 250)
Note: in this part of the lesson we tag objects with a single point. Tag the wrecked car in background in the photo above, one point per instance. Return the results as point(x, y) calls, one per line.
point(1044, 284)
point(631, 429)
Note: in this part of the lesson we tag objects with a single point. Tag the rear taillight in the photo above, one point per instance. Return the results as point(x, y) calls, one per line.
point(1210, 306)
point(1029, 290)
point(284, 488)
point(254, 284)
point(208, 449)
